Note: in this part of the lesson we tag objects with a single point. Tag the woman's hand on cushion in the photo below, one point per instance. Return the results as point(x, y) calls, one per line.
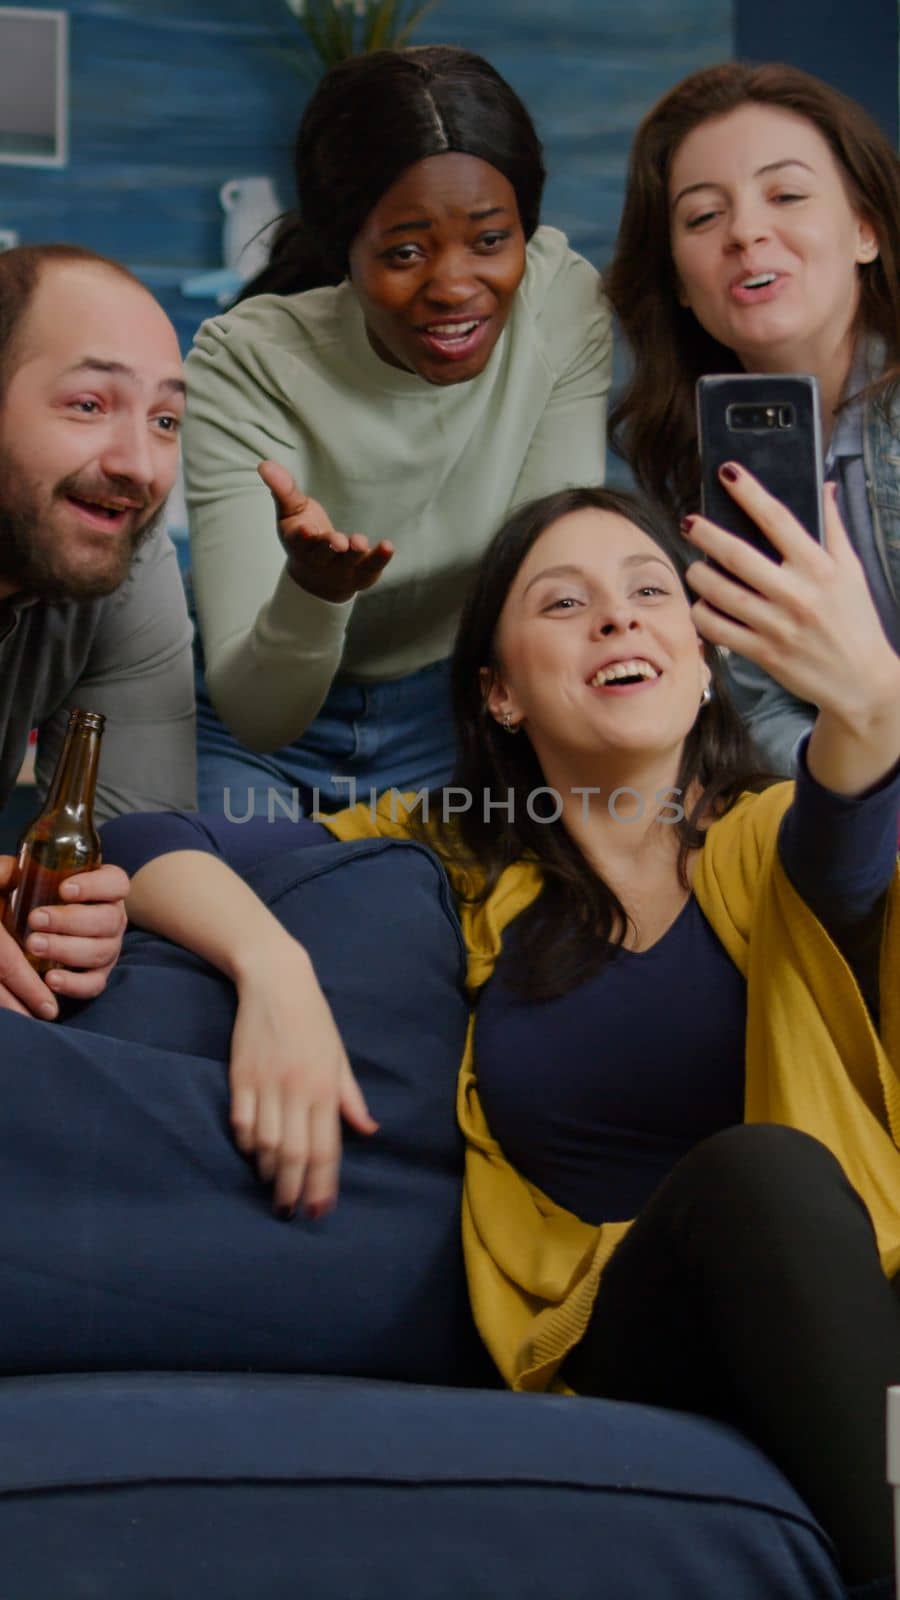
point(291, 1082)
point(330, 565)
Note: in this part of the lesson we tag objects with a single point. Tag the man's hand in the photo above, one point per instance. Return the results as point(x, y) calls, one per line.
point(20, 987)
point(331, 565)
point(82, 937)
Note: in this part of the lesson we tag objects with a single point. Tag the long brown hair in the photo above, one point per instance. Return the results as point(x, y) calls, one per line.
point(653, 423)
point(578, 922)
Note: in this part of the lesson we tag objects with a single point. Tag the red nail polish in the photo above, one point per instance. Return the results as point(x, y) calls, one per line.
point(686, 525)
point(729, 473)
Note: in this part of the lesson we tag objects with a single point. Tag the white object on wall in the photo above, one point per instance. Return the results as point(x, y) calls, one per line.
point(34, 86)
point(252, 210)
point(176, 508)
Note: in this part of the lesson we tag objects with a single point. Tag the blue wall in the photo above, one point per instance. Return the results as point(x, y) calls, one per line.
point(852, 44)
point(169, 99)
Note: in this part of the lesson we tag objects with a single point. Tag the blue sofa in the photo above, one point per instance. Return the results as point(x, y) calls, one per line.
point(198, 1399)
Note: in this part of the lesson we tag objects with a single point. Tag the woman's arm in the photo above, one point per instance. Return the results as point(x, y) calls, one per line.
point(810, 622)
point(289, 1075)
point(840, 854)
point(271, 648)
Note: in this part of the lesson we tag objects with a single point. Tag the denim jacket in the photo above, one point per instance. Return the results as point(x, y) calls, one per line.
point(881, 450)
point(776, 718)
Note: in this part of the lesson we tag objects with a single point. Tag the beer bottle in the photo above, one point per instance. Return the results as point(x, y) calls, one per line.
point(62, 838)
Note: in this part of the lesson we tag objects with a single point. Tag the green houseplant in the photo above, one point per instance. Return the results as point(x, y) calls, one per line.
point(336, 29)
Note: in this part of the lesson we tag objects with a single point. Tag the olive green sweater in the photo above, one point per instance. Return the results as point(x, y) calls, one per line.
point(433, 468)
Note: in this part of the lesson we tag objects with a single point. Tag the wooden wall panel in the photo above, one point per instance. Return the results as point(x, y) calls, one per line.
point(167, 101)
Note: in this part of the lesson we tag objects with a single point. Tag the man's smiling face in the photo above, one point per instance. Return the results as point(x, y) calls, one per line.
point(89, 424)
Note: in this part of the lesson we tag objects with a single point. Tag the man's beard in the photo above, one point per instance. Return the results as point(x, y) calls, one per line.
point(34, 558)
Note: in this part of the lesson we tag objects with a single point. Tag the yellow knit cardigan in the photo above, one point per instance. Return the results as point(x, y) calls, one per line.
point(813, 1061)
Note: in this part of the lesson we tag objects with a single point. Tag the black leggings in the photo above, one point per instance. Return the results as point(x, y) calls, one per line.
point(749, 1289)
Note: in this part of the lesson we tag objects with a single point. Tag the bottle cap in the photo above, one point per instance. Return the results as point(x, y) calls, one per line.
point(88, 719)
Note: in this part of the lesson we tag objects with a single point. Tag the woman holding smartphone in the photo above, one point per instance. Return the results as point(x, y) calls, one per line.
point(668, 1201)
point(761, 232)
point(419, 356)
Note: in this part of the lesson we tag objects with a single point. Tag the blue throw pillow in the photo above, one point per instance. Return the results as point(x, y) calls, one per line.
point(134, 1234)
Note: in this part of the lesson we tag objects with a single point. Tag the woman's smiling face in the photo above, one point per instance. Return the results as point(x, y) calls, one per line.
point(765, 239)
point(596, 648)
point(436, 266)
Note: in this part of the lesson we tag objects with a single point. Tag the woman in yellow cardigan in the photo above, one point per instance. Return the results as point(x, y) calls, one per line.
point(683, 1017)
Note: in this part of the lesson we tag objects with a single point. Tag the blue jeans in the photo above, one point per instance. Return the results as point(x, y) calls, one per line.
point(367, 737)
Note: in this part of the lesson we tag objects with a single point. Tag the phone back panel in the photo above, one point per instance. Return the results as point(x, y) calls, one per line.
point(770, 425)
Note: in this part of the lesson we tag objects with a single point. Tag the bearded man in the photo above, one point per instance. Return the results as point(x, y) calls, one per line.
point(92, 609)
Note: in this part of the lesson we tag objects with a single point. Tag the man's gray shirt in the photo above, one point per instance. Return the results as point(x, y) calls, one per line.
point(127, 655)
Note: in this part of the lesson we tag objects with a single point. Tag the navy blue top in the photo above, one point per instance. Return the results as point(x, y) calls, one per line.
point(595, 1095)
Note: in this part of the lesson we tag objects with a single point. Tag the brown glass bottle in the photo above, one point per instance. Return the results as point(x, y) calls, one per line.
point(62, 838)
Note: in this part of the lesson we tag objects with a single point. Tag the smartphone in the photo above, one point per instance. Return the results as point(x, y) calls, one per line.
point(769, 424)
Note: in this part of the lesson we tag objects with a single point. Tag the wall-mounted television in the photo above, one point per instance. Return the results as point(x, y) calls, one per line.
point(34, 80)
